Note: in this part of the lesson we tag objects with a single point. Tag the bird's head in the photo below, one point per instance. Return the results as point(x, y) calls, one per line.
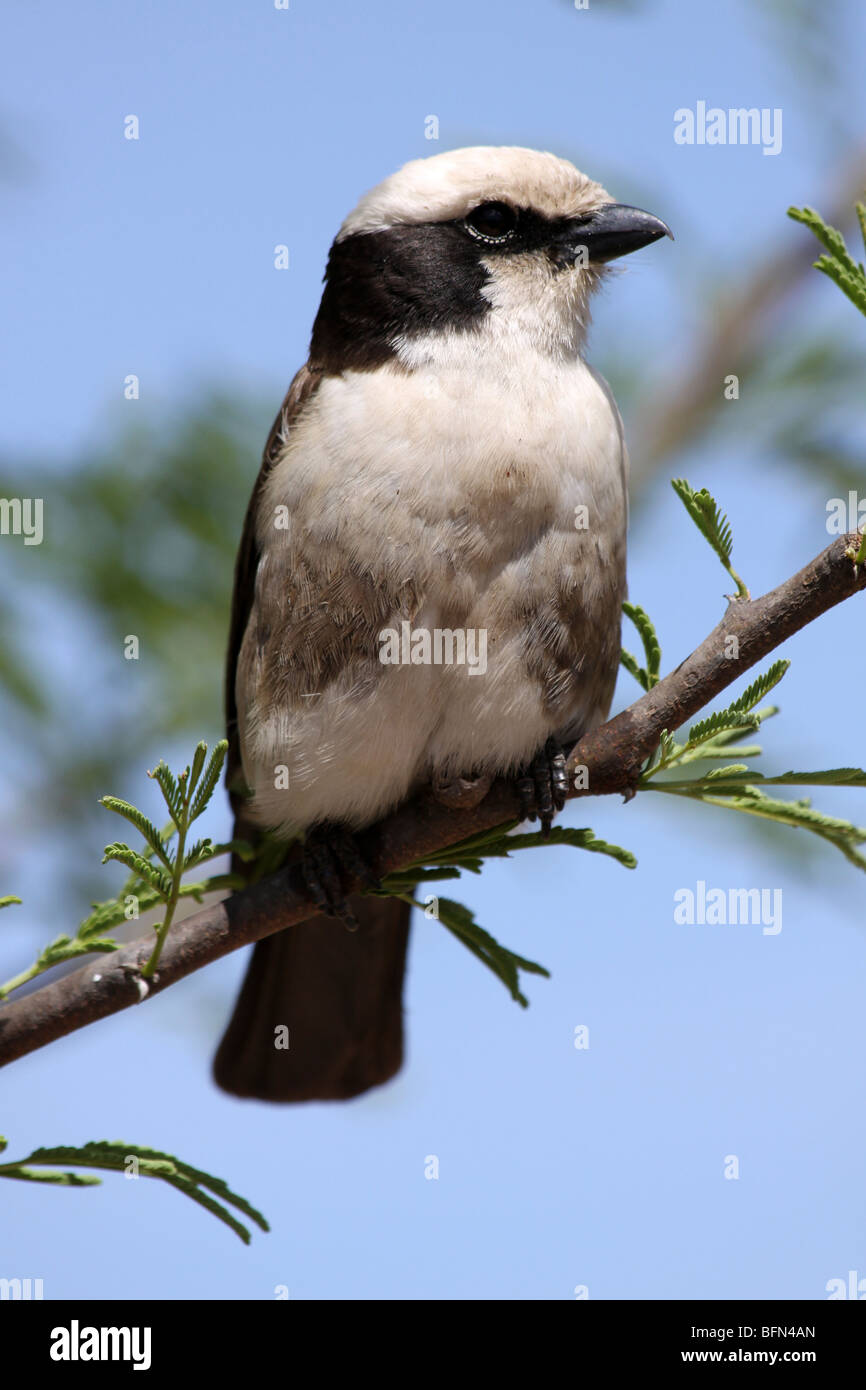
point(480, 248)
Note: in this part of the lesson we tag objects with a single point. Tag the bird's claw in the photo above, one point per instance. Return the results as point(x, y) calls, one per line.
point(543, 787)
point(330, 853)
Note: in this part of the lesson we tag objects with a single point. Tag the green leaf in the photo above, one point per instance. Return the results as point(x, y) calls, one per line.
point(837, 264)
point(579, 839)
point(476, 844)
point(172, 793)
point(54, 952)
point(217, 883)
point(800, 815)
point(198, 758)
point(500, 843)
point(198, 853)
point(112, 912)
point(829, 237)
point(652, 648)
point(64, 948)
point(721, 721)
point(737, 772)
point(9, 900)
point(760, 687)
point(631, 665)
point(210, 779)
point(504, 964)
point(147, 830)
point(830, 777)
point(400, 881)
point(114, 1156)
point(242, 848)
point(466, 854)
point(750, 800)
point(15, 1170)
point(667, 746)
point(141, 866)
point(712, 524)
point(717, 748)
point(738, 715)
point(710, 521)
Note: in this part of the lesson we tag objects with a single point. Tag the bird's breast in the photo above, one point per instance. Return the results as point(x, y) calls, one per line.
point(442, 467)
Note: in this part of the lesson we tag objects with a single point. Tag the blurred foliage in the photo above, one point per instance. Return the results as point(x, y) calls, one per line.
point(140, 538)
point(810, 41)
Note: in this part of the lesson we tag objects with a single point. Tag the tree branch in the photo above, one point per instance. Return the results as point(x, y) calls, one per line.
point(614, 755)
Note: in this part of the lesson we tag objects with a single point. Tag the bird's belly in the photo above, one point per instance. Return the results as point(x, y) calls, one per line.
point(497, 529)
point(547, 636)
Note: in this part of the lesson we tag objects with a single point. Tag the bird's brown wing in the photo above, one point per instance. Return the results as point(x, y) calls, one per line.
point(302, 388)
point(337, 993)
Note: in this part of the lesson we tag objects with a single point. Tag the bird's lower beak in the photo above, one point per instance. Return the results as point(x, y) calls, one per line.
point(614, 230)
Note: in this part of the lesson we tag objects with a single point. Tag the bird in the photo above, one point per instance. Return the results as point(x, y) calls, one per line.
point(446, 462)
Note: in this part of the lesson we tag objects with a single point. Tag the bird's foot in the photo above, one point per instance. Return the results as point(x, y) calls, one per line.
point(461, 793)
point(543, 786)
point(330, 854)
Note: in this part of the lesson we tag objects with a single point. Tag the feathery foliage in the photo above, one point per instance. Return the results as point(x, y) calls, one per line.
point(736, 785)
point(135, 1160)
point(156, 868)
point(717, 736)
point(712, 524)
point(469, 856)
point(850, 275)
point(838, 264)
point(646, 676)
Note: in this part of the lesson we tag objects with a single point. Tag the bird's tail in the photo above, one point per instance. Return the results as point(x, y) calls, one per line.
point(320, 1015)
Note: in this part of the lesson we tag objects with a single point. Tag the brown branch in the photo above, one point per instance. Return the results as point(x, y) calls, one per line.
point(614, 755)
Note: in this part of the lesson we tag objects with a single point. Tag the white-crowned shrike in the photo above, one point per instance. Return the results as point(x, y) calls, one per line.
point(446, 477)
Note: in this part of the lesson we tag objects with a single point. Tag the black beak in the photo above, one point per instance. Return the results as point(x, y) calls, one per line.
point(614, 230)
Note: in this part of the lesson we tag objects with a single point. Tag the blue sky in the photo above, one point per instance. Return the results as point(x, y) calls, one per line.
point(558, 1167)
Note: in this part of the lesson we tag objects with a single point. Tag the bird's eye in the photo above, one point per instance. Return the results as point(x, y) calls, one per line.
point(492, 221)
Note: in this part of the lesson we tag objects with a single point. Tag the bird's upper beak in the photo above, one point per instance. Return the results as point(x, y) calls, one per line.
point(614, 230)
